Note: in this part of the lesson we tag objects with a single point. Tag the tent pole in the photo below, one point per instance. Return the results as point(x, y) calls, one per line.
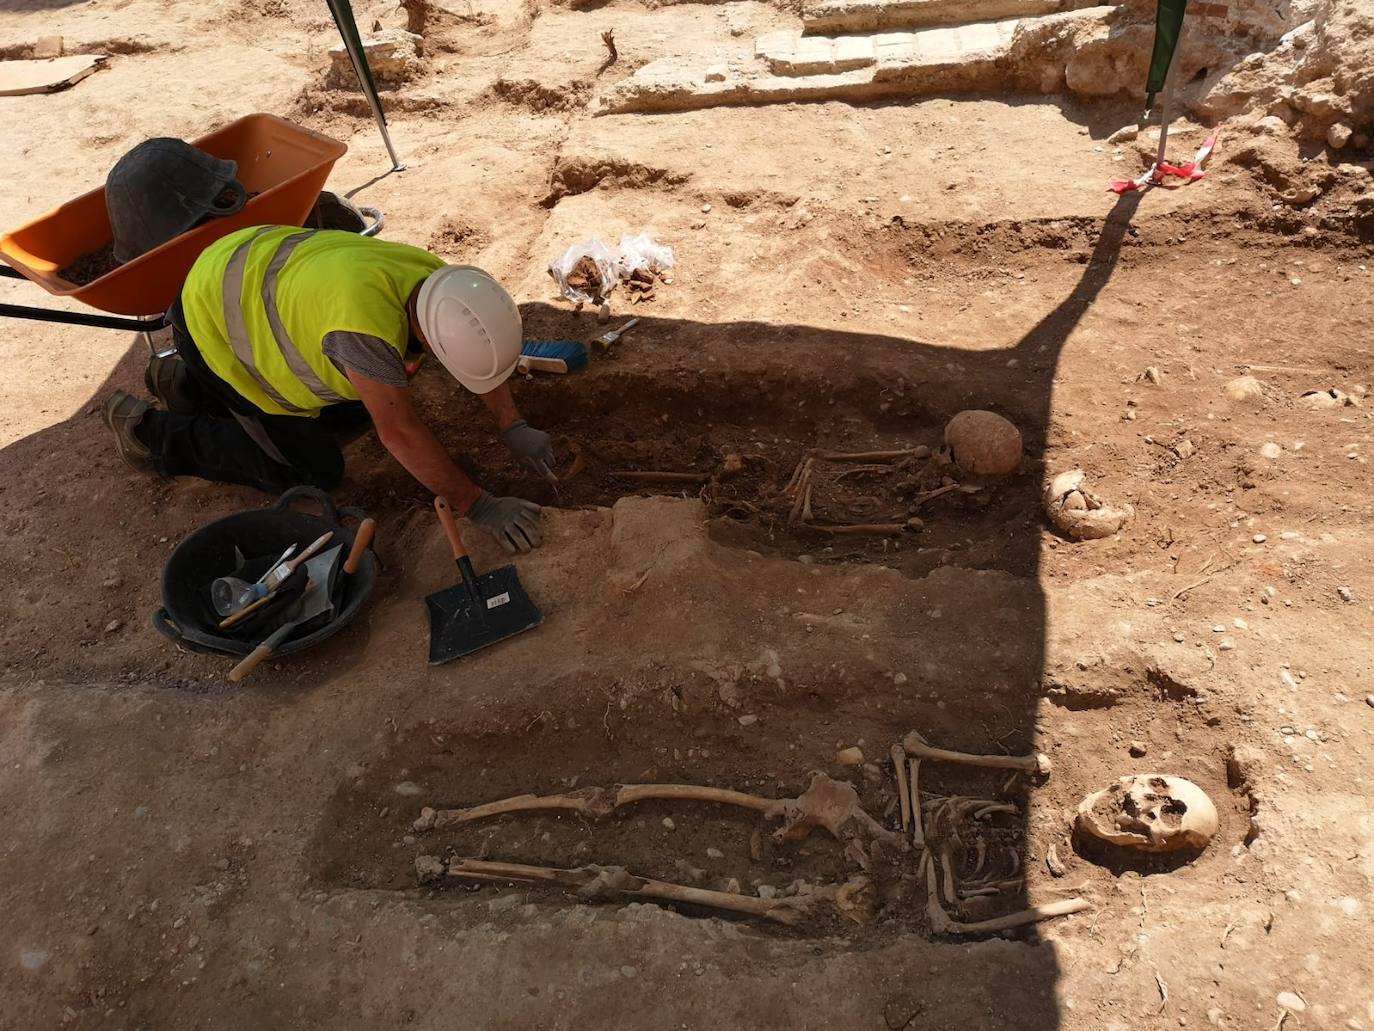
point(376, 104)
point(348, 30)
point(1167, 108)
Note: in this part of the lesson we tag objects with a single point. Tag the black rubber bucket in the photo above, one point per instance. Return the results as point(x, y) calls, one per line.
point(187, 616)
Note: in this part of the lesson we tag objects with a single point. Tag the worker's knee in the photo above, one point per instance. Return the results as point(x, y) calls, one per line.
point(326, 471)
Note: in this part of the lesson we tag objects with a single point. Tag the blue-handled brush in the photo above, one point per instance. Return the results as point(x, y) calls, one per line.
point(560, 356)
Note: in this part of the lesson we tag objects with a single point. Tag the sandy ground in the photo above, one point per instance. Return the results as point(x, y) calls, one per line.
point(180, 853)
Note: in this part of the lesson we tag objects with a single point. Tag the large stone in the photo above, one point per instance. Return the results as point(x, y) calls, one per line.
point(848, 16)
point(392, 54)
point(1318, 75)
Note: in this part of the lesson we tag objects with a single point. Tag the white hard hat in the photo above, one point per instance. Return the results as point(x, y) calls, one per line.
point(471, 325)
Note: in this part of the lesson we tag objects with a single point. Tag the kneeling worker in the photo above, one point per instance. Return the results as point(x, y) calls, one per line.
point(281, 331)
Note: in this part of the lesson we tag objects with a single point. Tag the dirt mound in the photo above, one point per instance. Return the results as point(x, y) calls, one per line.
point(540, 97)
point(458, 240)
point(582, 175)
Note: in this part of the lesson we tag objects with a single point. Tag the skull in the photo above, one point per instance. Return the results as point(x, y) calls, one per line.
point(1150, 812)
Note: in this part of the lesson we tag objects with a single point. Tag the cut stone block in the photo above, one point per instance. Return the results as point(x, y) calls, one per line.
point(48, 46)
point(392, 54)
point(789, 54)
point(986, 57)
point(820, 17)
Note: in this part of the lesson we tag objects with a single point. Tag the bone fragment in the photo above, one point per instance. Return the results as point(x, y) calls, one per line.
point(941, 923)
point(864, 456)
point(916, 745)
point(659, 476)
point(864, 529)
point(903, 787)
point(597, 802)
point(918, 831)
point(594, 882)
point(829, 804)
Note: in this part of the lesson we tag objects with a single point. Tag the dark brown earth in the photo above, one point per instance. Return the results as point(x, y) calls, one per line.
point(186, 853)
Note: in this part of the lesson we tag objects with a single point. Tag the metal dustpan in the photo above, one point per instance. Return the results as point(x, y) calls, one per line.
point(478, 610)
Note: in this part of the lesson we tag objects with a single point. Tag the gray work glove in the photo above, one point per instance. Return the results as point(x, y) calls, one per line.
point(512, 521)
point(531, 447)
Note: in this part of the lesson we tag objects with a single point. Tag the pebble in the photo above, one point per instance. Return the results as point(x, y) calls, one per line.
point(113, 581)
point(407, 787)
point(849, 756)
point(668, 824)
point(1259, 538)
point(714, 853)
point(1217, 628)
point(899, 679)
point(429, 868)
point(1345, 594)
point(767, 891)
point(1271, 451)
point(1240, 624)
point(706, 209)
point(748, 720)
point(1227, 645)
point(1311, 734)
point(1286, 731)
point(1369, 700)
point(1287, 680)
point(1291, 1001)
point(628, 971)
point(112, 626)
point(1138, 749)
point(1178, 637)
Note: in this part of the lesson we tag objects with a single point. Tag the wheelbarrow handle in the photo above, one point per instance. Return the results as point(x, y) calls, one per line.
point(378, 221)
point(450, 526)
point(327, 509)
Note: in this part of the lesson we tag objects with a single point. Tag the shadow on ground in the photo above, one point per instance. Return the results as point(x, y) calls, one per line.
point(58, 621)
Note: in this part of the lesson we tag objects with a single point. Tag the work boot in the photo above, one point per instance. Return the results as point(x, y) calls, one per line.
point(169, 380)
point(122, 413)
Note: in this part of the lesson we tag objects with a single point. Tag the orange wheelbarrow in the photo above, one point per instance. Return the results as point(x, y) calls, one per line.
point(283, 164)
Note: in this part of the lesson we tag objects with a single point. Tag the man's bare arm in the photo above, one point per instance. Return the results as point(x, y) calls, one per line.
point(501, 403)
point(413, 444)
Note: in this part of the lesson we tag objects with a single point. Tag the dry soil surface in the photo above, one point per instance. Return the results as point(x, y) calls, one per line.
point(181, 853)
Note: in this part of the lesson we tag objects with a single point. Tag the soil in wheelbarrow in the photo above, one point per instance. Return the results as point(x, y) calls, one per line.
point(91, 266)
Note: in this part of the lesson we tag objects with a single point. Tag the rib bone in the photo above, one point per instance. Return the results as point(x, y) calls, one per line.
point(941, 923)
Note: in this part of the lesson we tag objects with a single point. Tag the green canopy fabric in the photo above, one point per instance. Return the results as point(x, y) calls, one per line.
point(1168, 26)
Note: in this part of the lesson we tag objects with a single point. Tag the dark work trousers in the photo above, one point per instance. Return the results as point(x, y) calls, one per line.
point(229, 440)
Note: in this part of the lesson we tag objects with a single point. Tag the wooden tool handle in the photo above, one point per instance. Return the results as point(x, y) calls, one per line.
point(450, 527)
point(245, 612)
point(305, 556)
point(362, 540)
point(250, 662)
